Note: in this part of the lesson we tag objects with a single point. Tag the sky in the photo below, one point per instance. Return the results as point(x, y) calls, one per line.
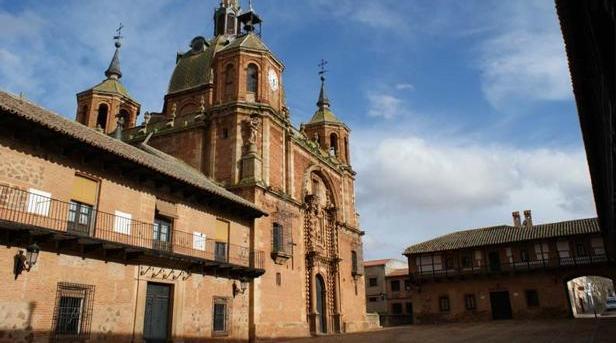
point(461, 111)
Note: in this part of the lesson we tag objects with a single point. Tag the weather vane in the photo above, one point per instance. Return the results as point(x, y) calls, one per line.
point(322, 66)
point(119, 35)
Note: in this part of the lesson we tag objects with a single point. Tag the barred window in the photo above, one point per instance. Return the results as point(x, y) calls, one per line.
point(73, 310)
point(220, 317)
point(373, 282)
point(443, 303)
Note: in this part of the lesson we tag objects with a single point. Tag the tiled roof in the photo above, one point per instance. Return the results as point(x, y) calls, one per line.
point(112, 86)
point(152, 158)
point(504, 234)
point(373, 263)
point(398, 272)
point(324, 115)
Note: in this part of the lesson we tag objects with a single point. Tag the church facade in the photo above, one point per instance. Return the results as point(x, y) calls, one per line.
point(286, 194)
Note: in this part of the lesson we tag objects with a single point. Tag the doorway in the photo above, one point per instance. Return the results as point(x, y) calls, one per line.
point(321, 303)
point(494, 260)
point(501, 306)
point(157, 310)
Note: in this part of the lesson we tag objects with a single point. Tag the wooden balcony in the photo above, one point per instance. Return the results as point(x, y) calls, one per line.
point(63, 227)
point(436, 271)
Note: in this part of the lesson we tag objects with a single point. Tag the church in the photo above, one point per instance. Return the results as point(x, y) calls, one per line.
point(214, 218)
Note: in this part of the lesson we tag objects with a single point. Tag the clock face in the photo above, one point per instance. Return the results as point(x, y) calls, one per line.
point(273, 79)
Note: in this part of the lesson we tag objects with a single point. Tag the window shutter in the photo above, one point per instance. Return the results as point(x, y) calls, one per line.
point(84, 190)
point(39, 202)
point(360, 259)
point(222, 231)
point(199, 241)
point(122, 222)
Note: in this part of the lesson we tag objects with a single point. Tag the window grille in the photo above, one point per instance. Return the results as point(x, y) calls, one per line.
point(220, 317)
point(73, 310)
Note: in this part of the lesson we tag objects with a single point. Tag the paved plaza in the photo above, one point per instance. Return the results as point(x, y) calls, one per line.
point(553, 331)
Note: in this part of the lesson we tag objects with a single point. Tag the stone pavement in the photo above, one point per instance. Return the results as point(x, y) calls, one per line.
point(514, 331)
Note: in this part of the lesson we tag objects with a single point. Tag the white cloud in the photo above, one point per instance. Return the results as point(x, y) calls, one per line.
point(523, 61)
point(404, 86)
point(386, 106)
point(423, 187)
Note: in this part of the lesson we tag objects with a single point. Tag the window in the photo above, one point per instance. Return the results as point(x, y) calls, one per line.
point(199, 239)
point(221, 238)
point(73, 310)
point(373, 282)
point(443, 303)
point(470, 302)
point(161, 235)
point(395, 285)
point(373, 299)
point(220, 317)
point(396, 308)
point(230, 24)
point(450, 262)
point(467, 261)
point(407, 284)
point(39, 202)
point(409, 308)
point(580, 249)
point(532, 298)
point(221, 252)
point(79, 217)
point(524, 257)
point(277, 238)
point(224, 133)
point(251, 78)
point(278, 279)
point(121, 222)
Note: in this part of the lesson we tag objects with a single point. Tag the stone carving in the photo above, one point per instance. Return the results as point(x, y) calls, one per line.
point(251, 128)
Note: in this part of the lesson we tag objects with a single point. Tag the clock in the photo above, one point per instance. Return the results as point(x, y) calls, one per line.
point(272, 77)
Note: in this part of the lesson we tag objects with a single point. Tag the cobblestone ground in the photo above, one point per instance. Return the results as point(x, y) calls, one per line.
point(556, 331)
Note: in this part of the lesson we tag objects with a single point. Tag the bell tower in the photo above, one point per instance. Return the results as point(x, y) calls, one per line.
point(325, 129)
point(101, 106)
point(225, 18)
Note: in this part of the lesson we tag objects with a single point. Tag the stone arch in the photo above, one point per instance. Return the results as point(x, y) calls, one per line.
point(601, 271)
point(327, 180)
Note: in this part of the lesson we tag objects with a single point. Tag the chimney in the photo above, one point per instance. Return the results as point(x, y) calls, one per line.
point(528, 219)
point(516, 219)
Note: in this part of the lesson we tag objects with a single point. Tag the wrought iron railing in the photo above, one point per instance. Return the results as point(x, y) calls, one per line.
point(513, 266)
point(27, 208)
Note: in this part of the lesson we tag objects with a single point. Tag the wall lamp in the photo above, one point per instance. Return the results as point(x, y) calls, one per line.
point(241, 288)
point(25, 262)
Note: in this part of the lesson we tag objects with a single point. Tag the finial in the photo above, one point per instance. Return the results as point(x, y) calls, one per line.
point(119, 36)
point(323, 99)
point(113, 72)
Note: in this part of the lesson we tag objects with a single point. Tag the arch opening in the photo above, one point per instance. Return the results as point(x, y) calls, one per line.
point(333, 144)
point(321, 303)
point(252, 73)
point(591, 296)
point(101, 117)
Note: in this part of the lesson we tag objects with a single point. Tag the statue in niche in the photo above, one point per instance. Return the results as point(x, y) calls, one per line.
point(251, 128)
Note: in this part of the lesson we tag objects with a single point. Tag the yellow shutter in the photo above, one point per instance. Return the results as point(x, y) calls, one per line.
point(166, 209)
point(84, 190)
point(222, 231)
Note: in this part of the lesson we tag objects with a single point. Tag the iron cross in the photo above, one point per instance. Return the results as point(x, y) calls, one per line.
point(322, 66)
point(119, 31)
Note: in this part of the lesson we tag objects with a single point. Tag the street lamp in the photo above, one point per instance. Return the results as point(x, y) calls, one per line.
point(25, 262)
point(32, 253)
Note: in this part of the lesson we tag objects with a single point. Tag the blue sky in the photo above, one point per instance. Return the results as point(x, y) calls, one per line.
point(461, 112)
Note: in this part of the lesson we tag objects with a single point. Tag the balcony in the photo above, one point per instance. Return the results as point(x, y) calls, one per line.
point(26, 216)
point(429, 271)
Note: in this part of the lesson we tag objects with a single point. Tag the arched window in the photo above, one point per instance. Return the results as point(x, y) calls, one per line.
point(230, 24)
point(101, 119)
point(333, 144)
point(229, 80)
point(252, 74)
point(346, 150)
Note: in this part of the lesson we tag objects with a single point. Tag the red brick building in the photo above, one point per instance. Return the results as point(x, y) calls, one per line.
point(242, 195)
point(503, 272)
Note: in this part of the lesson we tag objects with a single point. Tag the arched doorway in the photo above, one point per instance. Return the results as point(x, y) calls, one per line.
point(321, 303)
point(591, 296)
